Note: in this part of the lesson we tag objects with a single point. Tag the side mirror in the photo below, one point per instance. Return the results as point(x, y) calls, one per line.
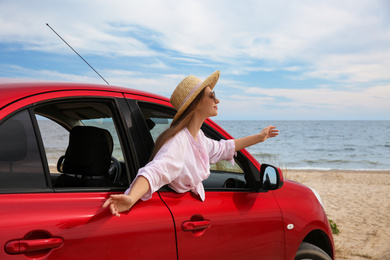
point(271, 177)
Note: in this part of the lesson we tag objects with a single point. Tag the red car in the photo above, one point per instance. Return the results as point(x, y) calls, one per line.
point(66, 147)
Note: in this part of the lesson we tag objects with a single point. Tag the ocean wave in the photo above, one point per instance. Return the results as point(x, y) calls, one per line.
point(333, 169)
point(263, 154)
point(321, 161)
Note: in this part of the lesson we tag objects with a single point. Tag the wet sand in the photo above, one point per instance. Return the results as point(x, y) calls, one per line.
point(359, 203)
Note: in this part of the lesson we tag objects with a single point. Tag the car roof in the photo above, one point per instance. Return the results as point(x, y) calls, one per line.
point(15, 89)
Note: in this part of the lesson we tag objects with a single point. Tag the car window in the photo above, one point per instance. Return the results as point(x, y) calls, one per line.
point(20, 162)
point(224, 174)
point(82, 144)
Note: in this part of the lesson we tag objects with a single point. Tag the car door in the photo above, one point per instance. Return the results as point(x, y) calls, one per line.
point(40, 219)
point(234, 221)
point(227, 225)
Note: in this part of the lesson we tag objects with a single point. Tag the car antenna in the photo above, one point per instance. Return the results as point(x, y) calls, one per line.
point(77, 53)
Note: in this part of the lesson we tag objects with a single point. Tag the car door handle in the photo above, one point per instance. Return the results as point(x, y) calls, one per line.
point(195, 225)
point(22, 246)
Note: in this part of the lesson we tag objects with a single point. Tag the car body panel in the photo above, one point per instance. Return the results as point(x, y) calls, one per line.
point(13, 90)
point(88, 231)
point(252, 217)
point(301, 208)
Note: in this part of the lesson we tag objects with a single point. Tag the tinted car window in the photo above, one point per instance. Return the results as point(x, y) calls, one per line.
point(20, 162)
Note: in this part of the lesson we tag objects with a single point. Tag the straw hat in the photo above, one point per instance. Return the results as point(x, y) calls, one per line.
point(187, 91)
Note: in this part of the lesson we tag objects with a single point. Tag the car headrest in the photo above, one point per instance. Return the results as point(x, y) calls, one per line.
point(89, 151)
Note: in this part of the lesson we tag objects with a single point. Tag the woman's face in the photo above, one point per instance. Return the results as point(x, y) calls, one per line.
point(208, 104)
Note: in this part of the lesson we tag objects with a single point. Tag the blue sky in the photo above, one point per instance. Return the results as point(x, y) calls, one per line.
point(279, 60)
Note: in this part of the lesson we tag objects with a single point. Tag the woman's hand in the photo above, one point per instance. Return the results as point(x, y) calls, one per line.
point(118, 203)
point(122, 202)
point(268, 132)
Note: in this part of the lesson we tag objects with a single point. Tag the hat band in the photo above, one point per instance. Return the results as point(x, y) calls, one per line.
point(191, 93)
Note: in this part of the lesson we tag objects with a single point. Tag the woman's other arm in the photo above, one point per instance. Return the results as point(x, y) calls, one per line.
point(267, 132)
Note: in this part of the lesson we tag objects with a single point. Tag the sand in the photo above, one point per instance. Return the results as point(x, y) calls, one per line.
point(359, 203)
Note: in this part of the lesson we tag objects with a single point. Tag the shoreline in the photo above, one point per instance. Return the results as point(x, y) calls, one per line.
point(335, 170)
point(358, 201)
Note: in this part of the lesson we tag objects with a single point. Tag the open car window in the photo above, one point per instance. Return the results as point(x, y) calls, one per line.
point(224, 175)
point(82, 144)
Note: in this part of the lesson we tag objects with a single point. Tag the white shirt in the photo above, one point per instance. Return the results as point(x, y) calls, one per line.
point(183, 163)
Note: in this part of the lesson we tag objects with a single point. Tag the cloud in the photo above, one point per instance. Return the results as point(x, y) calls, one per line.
point(357, 68)
point(296, 47)
point(48, 75)
point(264, 103)
point(162, 84)
point(274, 31)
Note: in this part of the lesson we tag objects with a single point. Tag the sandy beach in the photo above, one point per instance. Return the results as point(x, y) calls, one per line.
point(359, 203)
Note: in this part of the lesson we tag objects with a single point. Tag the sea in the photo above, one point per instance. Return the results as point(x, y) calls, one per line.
point(319, 145)
point(311, 145)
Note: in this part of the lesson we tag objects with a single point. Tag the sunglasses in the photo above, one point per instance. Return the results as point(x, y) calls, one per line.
point(213, 96)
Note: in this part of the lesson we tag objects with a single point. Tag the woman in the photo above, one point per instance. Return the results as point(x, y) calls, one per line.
point(182, 154)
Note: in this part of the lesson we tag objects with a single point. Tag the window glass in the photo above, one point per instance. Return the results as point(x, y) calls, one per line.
point(159, 118)
point(225, 166)
point(162, 124)
point(20, 162)
point(82, 144)
point(55, 138)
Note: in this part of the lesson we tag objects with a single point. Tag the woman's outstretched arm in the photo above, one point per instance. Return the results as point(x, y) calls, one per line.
point(267, 132)
point(121, 202)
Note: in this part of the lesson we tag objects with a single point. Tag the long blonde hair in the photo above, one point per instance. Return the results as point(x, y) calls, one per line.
point(177, 126)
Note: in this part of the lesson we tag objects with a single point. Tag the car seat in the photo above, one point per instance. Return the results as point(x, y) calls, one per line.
point(87, 159)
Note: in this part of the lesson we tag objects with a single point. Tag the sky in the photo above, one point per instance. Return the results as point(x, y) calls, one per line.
point(279, 60)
